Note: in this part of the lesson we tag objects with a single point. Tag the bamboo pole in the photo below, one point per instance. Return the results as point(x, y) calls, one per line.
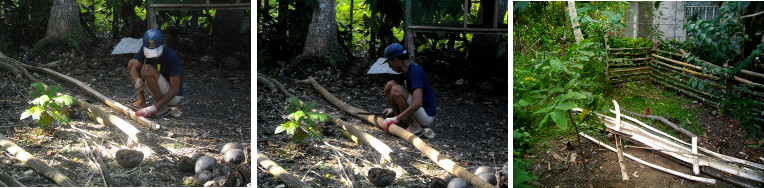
point(124, 126)
point(695, 167)
point(9, 180)
point(628, 65)
point(659, 68)
point(673, 172)
point(629, 70)
point(375, 143)
point(631, 79)
point(712, 103)
point(279, 172)
point(433, 154)
point(631, 54)
point(36, 164)
point(676, 82)
point(619, 144)
point(629, 49)
point(747, 72)
point(741, 80)
point(664, 120)
point(686, 70)
point(114, 104)
point(628, 75)
point(677, 62)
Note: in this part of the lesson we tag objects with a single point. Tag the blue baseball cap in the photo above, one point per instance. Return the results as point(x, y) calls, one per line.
point(152, 43)
point(393, 50)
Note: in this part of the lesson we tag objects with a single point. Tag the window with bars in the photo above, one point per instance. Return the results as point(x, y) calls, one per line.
point(702, 12)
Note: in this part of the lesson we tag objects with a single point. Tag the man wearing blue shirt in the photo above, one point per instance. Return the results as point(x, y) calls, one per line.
point(410, 97)
point(150, 70)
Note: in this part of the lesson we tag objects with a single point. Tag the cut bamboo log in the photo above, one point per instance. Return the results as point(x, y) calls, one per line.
point(8, 180)
point(114, 104)
point(422, 146)
point(35, 163)
point(375, 143)
point(124, 126)
point(673, 172)
point(279, 172)
point(618, 143)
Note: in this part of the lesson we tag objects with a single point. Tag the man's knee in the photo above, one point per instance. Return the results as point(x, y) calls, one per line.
point(148, 70)
point(132, 64)
point(397, 90)
point(389, 85)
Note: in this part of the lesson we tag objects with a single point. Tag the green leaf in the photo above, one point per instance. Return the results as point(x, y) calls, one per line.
point(546, 109)
point(281, 128)
point(54, 106)
point(299, 135)
point(559, 118)
point(520, 176)
point(291, 127)
point(318, 116)
point(45, 120)
point(297, 115)
point(516, 134)
point(37, 112)
point(52, 90)
point(556, 89)
point(35, 94)
point(308, 106)
point(587, 53)
point(570, 83)
point(566, 106)
point(556, 64)
point(61, 118)
point(39, 86)
point(524, 103)
point(27, 113)
point(315, 134)
point(294, 101)
point(543, 121)
point(291, 109)
point(64, 99)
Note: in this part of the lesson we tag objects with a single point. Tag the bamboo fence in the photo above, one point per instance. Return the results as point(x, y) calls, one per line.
point(668, 69)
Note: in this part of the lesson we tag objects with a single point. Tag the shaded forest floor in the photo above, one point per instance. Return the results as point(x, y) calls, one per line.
point(471, 128)
point(722, 134)
point(216, 110)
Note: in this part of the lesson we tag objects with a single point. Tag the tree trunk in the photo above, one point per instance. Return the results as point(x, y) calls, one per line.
point(64, 19)
point(576, 29)
point(321, 40)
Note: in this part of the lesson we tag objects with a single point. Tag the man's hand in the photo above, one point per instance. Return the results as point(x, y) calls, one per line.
point(145, 112)
point(138, 83)
point(388, 112)
point(388, 122)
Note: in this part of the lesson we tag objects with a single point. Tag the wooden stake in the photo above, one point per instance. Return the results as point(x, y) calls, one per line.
point(618, 144)
point(279, 172)
point(36, 164)
point(695, 166)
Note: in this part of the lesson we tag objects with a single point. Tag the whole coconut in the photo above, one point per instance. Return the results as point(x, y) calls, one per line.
point(196, 156)
point(381, 177)
point(128, 158)
point(203, 176)
point(220, 169)
point(217, 182)
point(231, 145)
point(482, 169)
point(457, 183)
point(186, 164)
point(233, 156)
point(438, 183)
point(488, 177)
point(204, 163)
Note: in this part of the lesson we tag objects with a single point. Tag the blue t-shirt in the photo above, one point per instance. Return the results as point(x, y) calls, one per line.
point(416, 78)
point(168, 64)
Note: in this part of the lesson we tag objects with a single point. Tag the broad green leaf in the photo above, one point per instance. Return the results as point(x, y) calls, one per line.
point(39, 86)
point(556, 64)
point(545, 109)
point(37, 112)
point(587, 53)
point(66, 100)
point(45, 120)
point(35, 94)
point(308, 106)
point(318, 116)
point(27, 113)
point(54, 106)
point(546, 117)
point(281, 128)
point(524, 103)
point(520, 176)
point(315, 134)
point(570, 83)
point(579, 65)
point(556, 89)
point(299, 135)
point(566, 106)
point(61, 118)
point(291, 109)
point(52, 90)
point(700, 86)
point(294, 101)
point(559, 118)
point(310, 122)
point(516, 134)
point(297, 115)
point(291, 126)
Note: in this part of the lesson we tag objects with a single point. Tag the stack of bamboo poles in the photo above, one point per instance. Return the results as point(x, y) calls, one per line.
point(685, 152)
point(628, 65)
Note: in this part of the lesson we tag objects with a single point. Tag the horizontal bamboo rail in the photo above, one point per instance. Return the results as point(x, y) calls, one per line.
point(747, 72)
point(628, 65)
point(626, 75)
point(677, 62)
point(678, 83)
point(629, 49)
point(686, 70)
point(629, 79)
point(709, 82)
point(629, 70)
point(715, 104)
point(631, 54)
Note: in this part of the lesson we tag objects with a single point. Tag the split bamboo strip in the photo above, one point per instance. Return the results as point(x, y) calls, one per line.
point(660, 143)
point(686, 70)
point(677, 62)
point(679, 83)
point(629, 49)
point(628, 65)
point(695, 167)
point(279, 172)
point(627, 80)
point(630, 70)
point(122, 108)
point(631, 54)
point(375, 143)
point(619, 144)
point(670, 53)
point(659, 68)
point(124, 126)
point(712, 103)
point(664, 120)
point(36, 164)
point(9, 180)
point(683, 175)
point(626, 75)
point(638, 59)
point(422, 146)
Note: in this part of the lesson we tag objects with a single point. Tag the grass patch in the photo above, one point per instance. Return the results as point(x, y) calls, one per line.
point(636, 97)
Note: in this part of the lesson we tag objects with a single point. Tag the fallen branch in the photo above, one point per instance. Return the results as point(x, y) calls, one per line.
point(114, 104)
point(124, 126)
point(433, 154)
point(8, 180)
point(375, 143)
point(35, 163)
point(12, 63)
point(280, 173)
point(683, 175)
point(664, 120)
point(268, 83)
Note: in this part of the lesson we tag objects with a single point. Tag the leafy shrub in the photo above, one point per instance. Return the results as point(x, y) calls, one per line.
point(48, 106)
point(298, 115)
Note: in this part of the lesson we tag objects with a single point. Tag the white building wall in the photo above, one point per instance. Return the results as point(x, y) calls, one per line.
point(670, 18)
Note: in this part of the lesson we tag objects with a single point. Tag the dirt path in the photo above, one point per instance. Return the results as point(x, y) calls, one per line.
point(216, 110)
point(470, 128)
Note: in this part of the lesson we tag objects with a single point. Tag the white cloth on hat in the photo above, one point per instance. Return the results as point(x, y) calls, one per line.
point(152, 53)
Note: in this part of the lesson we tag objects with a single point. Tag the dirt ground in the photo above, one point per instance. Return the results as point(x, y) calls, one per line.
point(470, 128)
point(216, 110)
point(722, 134)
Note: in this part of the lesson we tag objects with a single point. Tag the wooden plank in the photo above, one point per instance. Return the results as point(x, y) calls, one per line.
point(36, 164)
